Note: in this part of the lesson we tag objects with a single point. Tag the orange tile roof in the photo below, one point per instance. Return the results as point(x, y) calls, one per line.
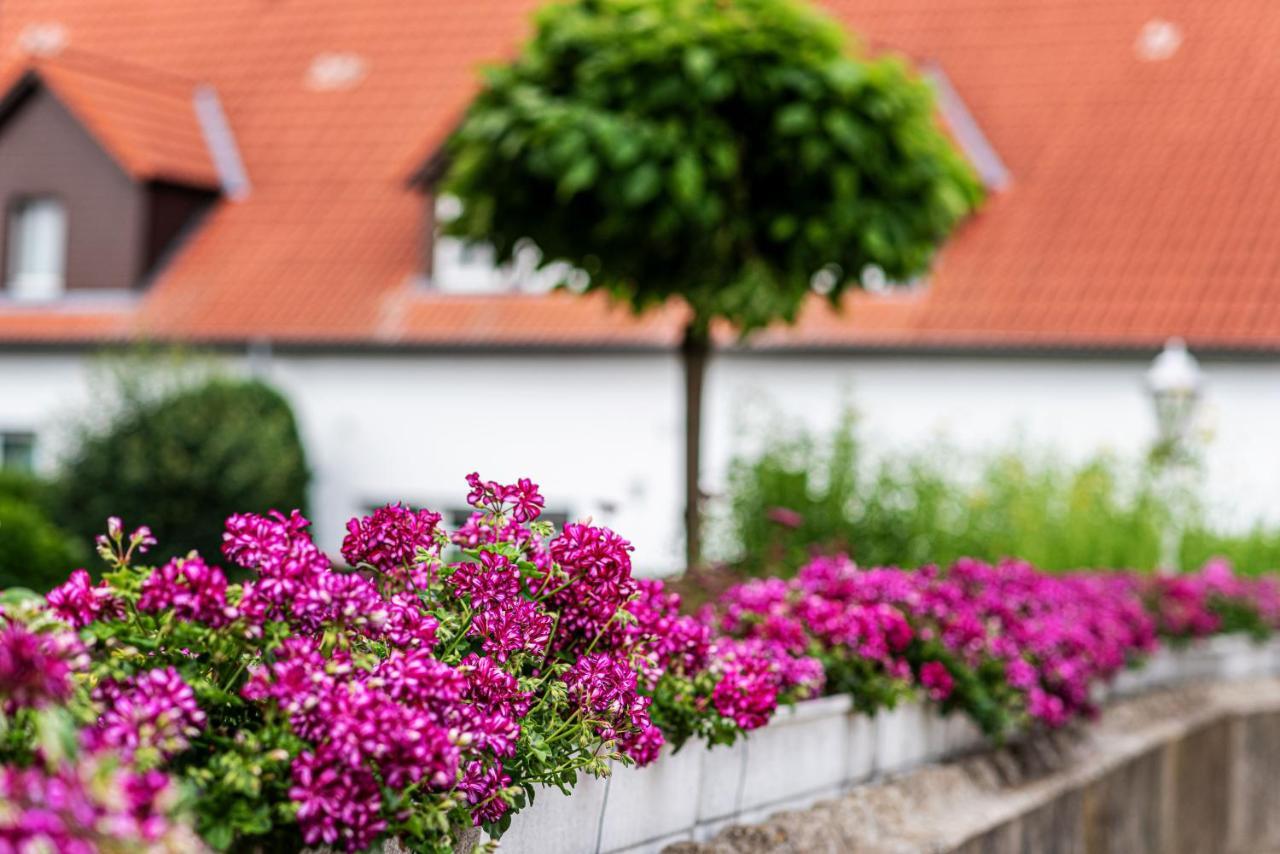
point(1145, 197)
point(144, 118)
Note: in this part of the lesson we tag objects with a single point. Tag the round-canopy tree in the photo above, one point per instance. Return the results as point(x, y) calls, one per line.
point(719, 152)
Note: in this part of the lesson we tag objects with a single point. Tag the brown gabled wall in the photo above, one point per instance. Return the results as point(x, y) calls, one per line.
point(45, 150)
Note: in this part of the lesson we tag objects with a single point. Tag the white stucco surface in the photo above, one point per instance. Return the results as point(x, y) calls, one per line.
point(602, 433)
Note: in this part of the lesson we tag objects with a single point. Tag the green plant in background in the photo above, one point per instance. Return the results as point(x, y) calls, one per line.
point(34, 552)
point(729, 156)
point(799, 496)
point(26, 488)
point(183, 459)
point(1254, 551)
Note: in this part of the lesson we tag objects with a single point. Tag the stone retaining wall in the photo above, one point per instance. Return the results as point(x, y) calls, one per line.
point(1193, 769)
point(817, 751)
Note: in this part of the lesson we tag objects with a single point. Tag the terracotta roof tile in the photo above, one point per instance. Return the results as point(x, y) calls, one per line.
point(1144, 203)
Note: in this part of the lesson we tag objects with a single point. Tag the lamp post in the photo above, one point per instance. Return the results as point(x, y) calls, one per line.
point(1175, 382)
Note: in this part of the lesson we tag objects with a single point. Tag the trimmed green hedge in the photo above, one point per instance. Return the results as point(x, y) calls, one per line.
point(183, 462)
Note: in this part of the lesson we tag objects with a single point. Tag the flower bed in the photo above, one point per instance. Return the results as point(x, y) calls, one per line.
point(453, 679)
point(742, 784)
point(437, 685)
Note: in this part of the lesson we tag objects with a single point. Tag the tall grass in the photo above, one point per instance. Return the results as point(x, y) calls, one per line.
point(803, 494)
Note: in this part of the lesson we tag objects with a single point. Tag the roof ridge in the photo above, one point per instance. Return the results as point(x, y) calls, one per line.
point(115, 69)
point(151, 122)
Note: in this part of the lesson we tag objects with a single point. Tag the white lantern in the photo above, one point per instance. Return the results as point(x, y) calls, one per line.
point(1175, 381)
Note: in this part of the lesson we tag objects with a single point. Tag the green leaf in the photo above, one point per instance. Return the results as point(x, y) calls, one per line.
point(642, 185)
point(580, 176)
point(795, 119)
point(15, 597)
point(699, 63)
point(687, 179)
point(784, 227)
point(219, 836)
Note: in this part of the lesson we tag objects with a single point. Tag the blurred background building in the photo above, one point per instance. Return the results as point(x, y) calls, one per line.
point(243, 176)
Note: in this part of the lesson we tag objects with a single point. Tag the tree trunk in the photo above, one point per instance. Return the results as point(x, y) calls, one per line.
point(693, 351)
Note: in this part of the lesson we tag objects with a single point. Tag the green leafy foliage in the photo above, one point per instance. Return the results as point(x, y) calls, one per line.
point(34, 552)
point(185, 460)
point(681, 707)
point(26, 488)
point(802, 495)
point(721, 153)
point(1256, 550)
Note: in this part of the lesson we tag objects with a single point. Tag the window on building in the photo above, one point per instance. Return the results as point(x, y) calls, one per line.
point(18, 451)
point(456, 517)
point(460, 267)
point(36, 248)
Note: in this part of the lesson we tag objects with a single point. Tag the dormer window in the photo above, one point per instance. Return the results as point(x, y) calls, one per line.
point(458, 267)
point(104, 167)
point(36, 248)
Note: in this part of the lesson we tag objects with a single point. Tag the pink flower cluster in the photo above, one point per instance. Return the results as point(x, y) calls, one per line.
point(754, 674)
point(389, 541)
point(516, 605)
point(80, 808)
point(410, 720)
point(35, 669)
point(447, 673)
point(188, 587)
point(154, 710)
point(1055, 636)
point(1202, 603)
point(1072, 630)
point(521, 498)
point(80, 602)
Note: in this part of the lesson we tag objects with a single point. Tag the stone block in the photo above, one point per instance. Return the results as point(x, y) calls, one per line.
point(660, 800)
point(559, 824)
point(804, 750)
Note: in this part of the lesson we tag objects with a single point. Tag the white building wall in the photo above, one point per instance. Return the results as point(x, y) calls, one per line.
point(602, 433)
point(1073, 406)
point(599, 432)
point(596, 431)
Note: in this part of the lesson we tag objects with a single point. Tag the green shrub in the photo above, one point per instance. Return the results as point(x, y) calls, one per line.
point(26, 489)
point(1253, 552)
point(183, 461)
point(800, 495)
point(34, 553)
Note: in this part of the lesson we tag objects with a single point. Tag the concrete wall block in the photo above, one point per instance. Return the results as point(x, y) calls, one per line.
point(1234, 656)
point(660, 800)
point(719, 793)
point(1161, 669)
point(1128, 682)
point(756, 815)
point(657, 845)
point(901, 737)
point(862, 741)
point(962, 735)
point(934, 734)
point(560, 824)
point(804, 750)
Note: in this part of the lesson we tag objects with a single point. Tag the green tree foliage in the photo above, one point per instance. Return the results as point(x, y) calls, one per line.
point(799, 495)
point(184, 461)
point(718, 152)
